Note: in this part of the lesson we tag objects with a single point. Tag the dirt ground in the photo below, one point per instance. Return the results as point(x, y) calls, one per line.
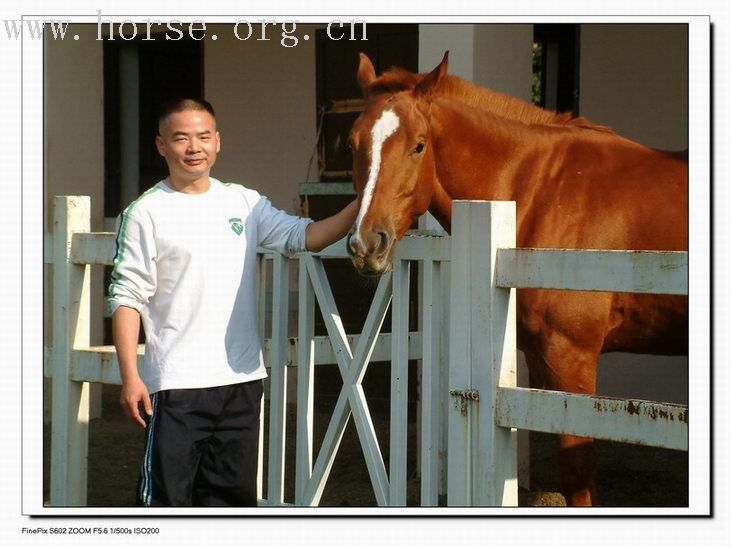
point(628, 476)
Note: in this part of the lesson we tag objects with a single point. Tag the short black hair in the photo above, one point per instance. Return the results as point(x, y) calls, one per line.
point(181, 105)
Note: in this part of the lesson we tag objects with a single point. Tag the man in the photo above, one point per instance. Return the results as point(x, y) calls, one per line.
point(186, 266)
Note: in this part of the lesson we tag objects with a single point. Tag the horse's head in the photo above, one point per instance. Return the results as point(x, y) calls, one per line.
point(393, 163)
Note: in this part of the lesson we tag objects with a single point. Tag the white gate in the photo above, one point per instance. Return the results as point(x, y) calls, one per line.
point(484, 404)
point(352, 354)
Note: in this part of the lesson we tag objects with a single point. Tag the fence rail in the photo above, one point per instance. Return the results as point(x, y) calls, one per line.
point(659, 272)
point(470, 410)
point(627, 421)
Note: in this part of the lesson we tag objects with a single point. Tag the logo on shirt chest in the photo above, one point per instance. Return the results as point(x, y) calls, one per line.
point(236, 225)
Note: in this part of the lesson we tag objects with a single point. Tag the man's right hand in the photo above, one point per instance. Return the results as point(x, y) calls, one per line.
point(133, 393)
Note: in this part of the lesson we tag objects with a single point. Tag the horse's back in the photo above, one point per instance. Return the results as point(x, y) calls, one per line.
point(604, 192)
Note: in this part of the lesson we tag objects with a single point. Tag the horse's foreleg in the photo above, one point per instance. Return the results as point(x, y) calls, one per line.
point(576, 456)
point(567, 368)
point(577, 465)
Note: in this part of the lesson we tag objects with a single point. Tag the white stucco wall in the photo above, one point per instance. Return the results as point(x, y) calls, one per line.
point(74, 138)
point(497, 56)
point(264, 96)
point(634, 78)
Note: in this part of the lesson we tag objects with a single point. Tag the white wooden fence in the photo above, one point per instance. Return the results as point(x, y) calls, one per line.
point(486, 270)
point(474, 327)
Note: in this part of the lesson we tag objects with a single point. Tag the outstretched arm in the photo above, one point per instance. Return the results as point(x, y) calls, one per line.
point(327, 231)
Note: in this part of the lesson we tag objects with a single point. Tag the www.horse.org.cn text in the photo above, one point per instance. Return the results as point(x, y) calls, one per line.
point(285, 32)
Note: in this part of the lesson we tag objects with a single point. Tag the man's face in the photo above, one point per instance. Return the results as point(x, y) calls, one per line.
point(189, 143)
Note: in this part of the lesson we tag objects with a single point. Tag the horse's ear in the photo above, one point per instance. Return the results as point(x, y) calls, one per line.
point(366, 72)
point(429, 82)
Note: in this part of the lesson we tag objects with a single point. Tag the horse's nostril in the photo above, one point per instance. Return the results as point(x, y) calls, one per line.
point(354, 245)
point(372, 243)
point(383, 240)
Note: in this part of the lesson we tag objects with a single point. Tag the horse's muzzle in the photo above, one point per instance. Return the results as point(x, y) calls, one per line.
point(372, 253)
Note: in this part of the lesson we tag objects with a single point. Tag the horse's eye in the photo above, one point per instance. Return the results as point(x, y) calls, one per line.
point(419, 148)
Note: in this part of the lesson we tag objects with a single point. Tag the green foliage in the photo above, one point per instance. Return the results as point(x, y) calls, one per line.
point(537, 72)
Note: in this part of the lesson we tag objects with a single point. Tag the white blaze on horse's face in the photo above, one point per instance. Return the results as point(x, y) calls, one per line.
point(385, 126)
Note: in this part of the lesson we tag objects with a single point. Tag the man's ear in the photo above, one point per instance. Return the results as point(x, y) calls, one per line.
point(218, 142)
point(160, 144)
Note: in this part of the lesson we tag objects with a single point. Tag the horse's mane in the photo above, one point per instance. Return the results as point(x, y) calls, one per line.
point(396, 80)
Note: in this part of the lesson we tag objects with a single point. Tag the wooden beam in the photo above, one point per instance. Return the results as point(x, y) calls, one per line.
point(627, 421)
point(660, 272)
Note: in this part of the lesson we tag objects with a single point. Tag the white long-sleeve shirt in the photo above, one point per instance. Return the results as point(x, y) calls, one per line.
point(187, 263)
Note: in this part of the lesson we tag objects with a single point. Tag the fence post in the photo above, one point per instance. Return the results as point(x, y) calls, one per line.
point(70, 400)
point(443, 388)
point(431, 404)
point(399, 382)
point(261, 292)
point(482, 456)
point(305, 382)
point(278, 380)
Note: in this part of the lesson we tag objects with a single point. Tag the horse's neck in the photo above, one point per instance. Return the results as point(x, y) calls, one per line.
point(474, 153)
point(441, 206)
point(484, 99)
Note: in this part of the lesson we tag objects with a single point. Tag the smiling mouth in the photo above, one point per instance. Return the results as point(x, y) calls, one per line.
point(194, 162)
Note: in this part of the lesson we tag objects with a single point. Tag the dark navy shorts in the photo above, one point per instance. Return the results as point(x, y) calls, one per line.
point(202, 447)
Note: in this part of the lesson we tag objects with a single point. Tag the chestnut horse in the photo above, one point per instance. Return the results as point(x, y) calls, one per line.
point(425, 140)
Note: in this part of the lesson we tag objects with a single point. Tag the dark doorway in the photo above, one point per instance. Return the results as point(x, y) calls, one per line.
point(556, 67)
point(139, 76)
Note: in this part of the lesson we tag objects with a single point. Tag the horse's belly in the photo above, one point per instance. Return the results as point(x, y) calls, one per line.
point(652, 324)
point(603, 322)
